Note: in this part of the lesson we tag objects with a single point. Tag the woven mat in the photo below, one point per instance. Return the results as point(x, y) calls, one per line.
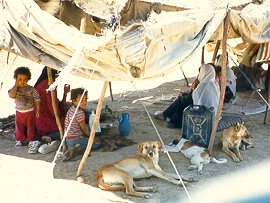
point(229, 120)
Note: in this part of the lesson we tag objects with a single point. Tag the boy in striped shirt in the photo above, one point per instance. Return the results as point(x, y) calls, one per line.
point(78, 131)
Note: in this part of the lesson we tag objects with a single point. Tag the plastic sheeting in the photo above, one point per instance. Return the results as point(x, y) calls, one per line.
point(141, 50)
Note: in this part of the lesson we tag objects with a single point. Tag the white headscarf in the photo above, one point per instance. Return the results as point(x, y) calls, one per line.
point(207, 92)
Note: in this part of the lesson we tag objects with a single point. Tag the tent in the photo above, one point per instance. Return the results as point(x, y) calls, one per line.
point(138, 50)
point(128, 40)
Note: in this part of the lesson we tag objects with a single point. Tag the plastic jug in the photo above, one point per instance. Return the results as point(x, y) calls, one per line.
point(91, 122)
point(124, 126)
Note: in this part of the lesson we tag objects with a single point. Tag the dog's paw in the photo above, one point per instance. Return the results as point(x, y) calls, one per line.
point(153, 189)
point(190, 179)
point(236, 160)
point(146, 195)
point(193, 180)
point(184, 182)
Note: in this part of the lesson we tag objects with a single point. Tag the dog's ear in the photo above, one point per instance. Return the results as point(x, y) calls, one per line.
point(160, 146)
point(140, 148)
point(237, 127)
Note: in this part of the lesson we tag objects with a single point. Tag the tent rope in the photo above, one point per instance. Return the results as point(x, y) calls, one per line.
point(165, 149)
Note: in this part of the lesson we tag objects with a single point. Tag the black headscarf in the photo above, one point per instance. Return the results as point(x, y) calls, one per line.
point(44, 75)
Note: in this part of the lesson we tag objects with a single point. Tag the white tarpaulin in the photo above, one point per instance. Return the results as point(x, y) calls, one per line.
point(140, 50)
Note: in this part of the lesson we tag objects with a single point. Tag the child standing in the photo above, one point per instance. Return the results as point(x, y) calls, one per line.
point(79, 130)
point(26, 97)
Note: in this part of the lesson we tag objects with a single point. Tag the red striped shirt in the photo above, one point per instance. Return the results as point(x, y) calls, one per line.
point(75, 128)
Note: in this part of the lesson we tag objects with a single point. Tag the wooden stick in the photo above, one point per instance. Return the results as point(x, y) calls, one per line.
point(223, 81)
point(7, 57)
point(54, 101)
point(83, 24)
point(184, 76)
point(268, 93)
point(93, 130)
point(202, 59)
point(110, 85)
point(215, 52)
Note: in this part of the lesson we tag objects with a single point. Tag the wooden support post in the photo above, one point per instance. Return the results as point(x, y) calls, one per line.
point(184, 76)
point(268, 93)
point(202, 59)
point(54, 101)
point(83, 24)
point(215, 52)
point(7, 57)
point(110, 85)
point(93, 130)
point(223, 81)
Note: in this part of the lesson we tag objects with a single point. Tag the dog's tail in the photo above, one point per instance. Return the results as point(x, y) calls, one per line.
point(106, 186)
point(219, 161)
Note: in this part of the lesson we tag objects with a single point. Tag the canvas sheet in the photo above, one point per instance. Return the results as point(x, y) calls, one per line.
point(141, 50)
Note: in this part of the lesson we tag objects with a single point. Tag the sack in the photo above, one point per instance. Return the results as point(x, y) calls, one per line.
point(106, 114)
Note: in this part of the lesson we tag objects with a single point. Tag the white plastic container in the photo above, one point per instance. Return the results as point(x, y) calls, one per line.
point(91, 122)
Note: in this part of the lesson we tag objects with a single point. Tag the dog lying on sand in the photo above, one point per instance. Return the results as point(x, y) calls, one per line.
point(120, 175)
point(232, 138)
point(198, 155)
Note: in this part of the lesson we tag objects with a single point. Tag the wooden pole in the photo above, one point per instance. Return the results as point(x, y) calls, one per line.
point(223, 81)
point(54, 101)
point(110, 85)
point(268, 93)
point(215, 52)
point(202, 59)
point(83, 24)
point(7, 57)
point(93, 130)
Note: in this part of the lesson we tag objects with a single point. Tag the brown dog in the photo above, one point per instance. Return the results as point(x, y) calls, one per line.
point(231, 139)
point(120, 175)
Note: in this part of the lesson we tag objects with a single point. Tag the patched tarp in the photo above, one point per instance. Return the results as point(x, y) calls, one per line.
point(136, 51)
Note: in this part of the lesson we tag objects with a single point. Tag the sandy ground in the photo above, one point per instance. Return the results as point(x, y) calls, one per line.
point(31, 178)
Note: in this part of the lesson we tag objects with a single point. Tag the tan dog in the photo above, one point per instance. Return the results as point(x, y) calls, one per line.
point(231, 139)
point(120, 175)
point(198, 155)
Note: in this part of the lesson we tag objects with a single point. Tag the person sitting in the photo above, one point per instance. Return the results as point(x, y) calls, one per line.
point(46, 125)
point(206, 92)
point(77, 133)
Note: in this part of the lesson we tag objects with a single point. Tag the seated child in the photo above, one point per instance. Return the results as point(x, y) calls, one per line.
point(78, 132)
point(25, 97)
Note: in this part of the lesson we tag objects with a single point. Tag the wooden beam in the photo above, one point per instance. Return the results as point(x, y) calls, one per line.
point(223, 80)
point(215, 52)
point(83, 24)
point(110, 85)
point(54, 102)
point(202, 59)
point(93, 130)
